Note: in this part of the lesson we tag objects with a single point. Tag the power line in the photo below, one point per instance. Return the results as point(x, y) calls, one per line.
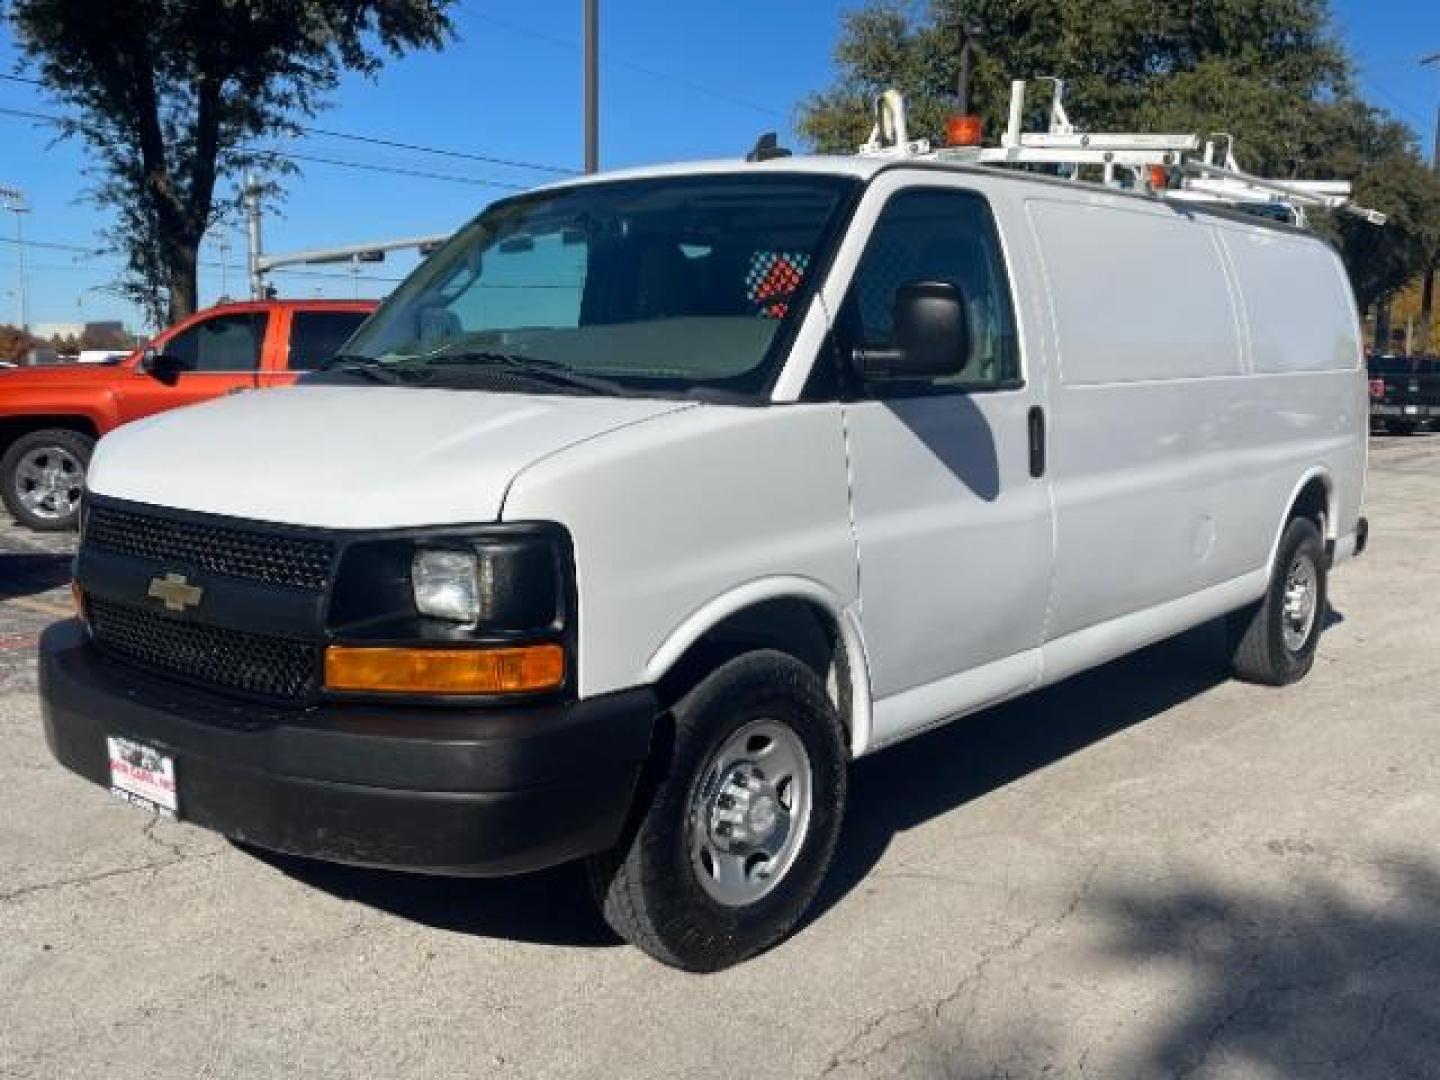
point(440, 151)
point(377, 140)
point(393, 169)
point(50, 118)
point(205, 263)
point(50, 246)
point(614, 61)
point(1394, 100)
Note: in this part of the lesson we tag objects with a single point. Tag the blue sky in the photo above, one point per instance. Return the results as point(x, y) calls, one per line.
point(677, 81)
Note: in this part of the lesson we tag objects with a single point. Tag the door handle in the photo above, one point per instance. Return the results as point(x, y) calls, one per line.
point(1037, 441)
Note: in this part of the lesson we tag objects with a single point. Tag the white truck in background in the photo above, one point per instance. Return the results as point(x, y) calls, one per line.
point(653, 498)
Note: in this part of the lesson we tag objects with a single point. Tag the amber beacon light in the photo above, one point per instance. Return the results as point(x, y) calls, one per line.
point(963, 131)
point(506, 670)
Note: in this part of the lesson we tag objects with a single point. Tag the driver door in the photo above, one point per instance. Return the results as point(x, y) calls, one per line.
point(220, 354)
point(952, 522)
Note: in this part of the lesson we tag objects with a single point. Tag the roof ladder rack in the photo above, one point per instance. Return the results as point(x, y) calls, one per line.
point(1172, 166)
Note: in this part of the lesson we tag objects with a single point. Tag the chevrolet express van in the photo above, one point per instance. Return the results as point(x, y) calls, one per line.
point(652, 499)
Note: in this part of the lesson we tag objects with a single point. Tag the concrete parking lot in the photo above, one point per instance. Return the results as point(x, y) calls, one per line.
point(1147, 871)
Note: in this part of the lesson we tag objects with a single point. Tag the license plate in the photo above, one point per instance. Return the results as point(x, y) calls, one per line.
point(142, 775)
point(1411, 410)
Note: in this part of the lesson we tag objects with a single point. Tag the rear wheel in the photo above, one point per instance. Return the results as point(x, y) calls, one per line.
point(1275, 640)
point(42, 477)
point(742, 824)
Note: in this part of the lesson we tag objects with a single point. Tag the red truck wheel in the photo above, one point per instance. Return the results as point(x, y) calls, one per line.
point(42, 477)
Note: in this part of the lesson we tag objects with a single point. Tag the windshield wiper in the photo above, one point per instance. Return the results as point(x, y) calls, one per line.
point(523, 364)
point(367, 367)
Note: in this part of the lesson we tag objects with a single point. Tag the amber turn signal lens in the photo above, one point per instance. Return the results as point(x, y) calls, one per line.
point(445, 671)
point(77, 597)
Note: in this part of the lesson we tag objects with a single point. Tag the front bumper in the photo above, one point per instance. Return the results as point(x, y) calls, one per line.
point(482, 791)
point(1383, 411)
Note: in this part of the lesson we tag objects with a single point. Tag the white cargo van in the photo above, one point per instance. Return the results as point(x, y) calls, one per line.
point(653, 498)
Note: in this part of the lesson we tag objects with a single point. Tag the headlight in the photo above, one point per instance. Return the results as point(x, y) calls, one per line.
point(447, 584)
point(495, 584)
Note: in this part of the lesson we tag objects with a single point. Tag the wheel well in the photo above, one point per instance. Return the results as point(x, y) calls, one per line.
point(799, 628)
point(12, 427)
point(1313, 503)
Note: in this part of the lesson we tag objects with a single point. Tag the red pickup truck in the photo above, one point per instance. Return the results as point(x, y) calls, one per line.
point(50, 417)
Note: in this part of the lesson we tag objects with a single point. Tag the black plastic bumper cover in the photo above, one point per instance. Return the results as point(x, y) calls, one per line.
point(482, 791)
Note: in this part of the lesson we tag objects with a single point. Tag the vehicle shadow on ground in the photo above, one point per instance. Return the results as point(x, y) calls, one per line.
point(932, 774)
point(552, 907)
point(1302, 979)
point(1298, 976)
point(891, 792)
point(29, 573)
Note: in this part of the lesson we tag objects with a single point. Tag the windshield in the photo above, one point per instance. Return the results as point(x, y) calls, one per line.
point(666, 286)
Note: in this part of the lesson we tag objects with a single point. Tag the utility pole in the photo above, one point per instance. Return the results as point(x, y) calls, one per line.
point(592, 85)
point(1427, 282)
point(968, 34)
point(222, 245)
point(13, 199)
point(252, 226)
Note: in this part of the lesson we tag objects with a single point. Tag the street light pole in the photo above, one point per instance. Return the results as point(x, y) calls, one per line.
point(20, 212)
point(1427, 282)
point(592, 85)
point(13, 199)
point(252, 228)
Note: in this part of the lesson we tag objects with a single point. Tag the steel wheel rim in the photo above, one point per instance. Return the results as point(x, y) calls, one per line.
point(49, 481)
point(1300, 602)
point(750, 813)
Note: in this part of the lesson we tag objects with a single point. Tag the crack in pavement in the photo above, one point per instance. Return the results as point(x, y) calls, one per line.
point(928, 1014)
point(176, 856)
point(102, 875)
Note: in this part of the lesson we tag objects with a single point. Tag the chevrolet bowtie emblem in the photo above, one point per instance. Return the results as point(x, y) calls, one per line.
point(175, 592)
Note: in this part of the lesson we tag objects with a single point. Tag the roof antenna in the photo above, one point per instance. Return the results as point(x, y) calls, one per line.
point(766, 148)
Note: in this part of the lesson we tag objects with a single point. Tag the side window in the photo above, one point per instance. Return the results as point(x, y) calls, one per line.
point(316, 336)
point(224, 343)
point(932, 234)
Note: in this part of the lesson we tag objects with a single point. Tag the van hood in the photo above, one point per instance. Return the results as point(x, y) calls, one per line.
point(352, 457)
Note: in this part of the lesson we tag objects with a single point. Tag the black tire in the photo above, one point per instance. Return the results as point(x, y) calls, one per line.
point(649, 887)
point(1262, 653)
point(75, 446)
point(1402, 427)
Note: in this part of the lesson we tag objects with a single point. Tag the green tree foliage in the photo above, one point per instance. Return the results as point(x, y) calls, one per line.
point(1270, 72)
point(173, 95)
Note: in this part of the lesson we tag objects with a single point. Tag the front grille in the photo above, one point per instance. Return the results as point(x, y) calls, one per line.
point(230, 659)
point(274, 558)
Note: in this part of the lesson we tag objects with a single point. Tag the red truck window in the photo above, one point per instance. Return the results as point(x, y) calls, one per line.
point(224, 343)
point(316, 336)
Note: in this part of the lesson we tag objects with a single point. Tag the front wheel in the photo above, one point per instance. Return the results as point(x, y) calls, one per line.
point(42, 477)
point(1275, 640)
point(742, 823)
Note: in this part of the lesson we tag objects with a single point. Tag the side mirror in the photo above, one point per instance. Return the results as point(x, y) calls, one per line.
point(165, 367)
point(932, 335)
